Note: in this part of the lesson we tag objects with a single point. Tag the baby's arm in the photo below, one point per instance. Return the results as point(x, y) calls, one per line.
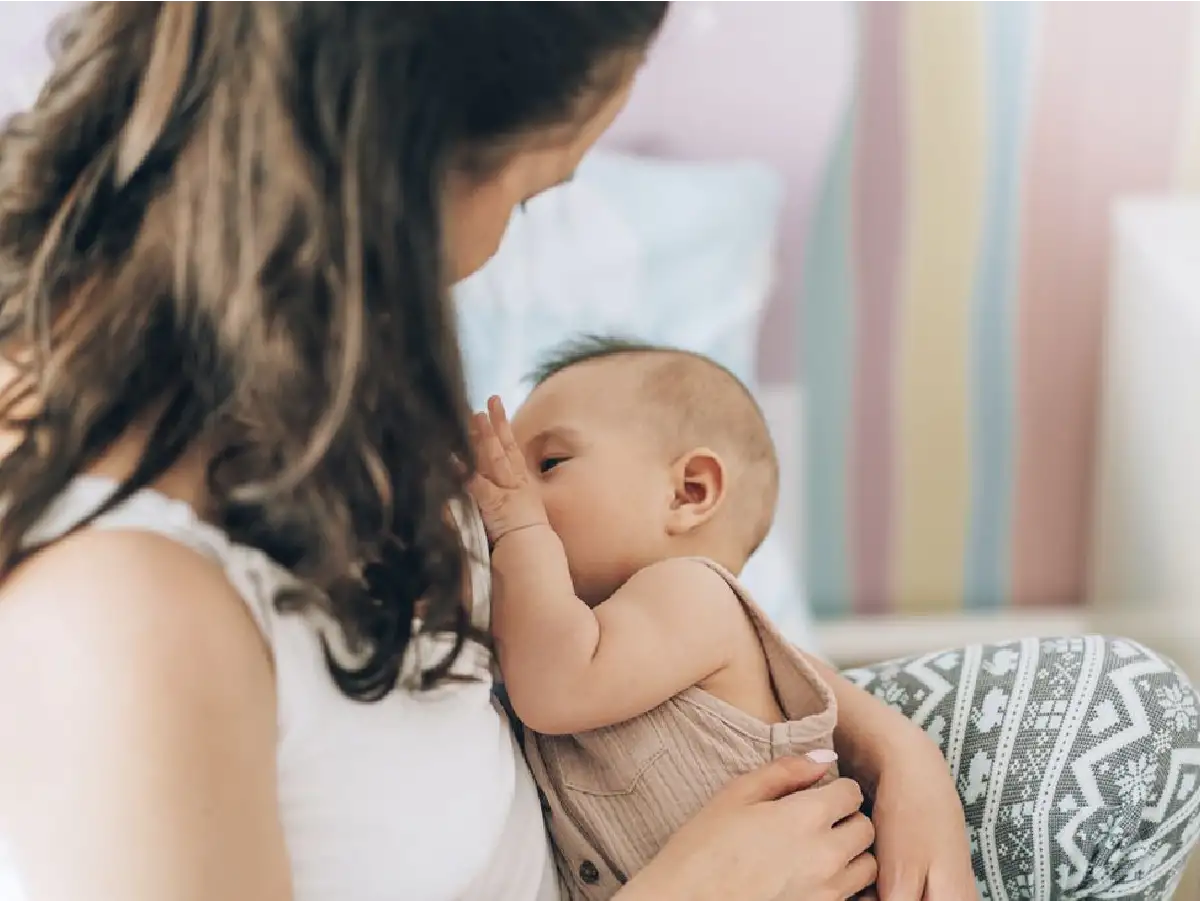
point(569, 668)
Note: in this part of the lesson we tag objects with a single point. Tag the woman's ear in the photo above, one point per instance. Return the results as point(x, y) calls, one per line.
point(699, 482)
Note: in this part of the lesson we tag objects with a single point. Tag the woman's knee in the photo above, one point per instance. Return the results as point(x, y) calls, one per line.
point(1158, 697)
point(1078, 757)
point(1136, 764)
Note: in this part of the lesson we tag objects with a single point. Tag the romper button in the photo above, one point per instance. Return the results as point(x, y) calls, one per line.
point(588, 873)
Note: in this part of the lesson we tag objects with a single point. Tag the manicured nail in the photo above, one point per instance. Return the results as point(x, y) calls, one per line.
point(822, 755)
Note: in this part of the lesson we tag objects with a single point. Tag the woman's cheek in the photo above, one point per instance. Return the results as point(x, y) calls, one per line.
point(477, 217)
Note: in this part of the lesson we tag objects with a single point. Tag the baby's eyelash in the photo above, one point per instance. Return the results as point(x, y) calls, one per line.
point(549, 463)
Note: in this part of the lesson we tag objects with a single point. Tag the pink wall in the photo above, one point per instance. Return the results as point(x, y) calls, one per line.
point(759, 80)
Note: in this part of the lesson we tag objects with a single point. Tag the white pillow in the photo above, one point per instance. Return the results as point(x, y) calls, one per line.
point(671, 253)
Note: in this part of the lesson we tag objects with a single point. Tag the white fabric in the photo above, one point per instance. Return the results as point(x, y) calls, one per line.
point(423, 797)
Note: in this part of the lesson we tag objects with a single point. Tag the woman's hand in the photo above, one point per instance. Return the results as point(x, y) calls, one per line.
point(921, 835)
point(920, 832)
point(763, 839)
point(507, 496)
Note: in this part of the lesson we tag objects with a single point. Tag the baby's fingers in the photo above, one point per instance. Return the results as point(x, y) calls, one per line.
point(503, 430)
point(493, 462)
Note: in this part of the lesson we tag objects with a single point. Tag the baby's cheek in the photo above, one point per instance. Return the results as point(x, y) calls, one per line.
point(557, 511)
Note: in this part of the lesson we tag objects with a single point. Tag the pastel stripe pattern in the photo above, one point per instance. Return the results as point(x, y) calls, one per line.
point(1098, 131)
point(946, 155)
point(956, 281)
point(1008, 35)
point(828, 355)
point(877, 242)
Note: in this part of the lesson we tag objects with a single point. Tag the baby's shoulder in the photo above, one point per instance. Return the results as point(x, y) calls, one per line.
point(691, 580)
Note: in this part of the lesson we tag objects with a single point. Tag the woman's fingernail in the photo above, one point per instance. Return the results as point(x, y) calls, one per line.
point(822, 755)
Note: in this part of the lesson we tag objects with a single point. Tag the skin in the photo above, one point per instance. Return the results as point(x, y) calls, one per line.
point(620, 515)
point(148, 729)
point(619, 497)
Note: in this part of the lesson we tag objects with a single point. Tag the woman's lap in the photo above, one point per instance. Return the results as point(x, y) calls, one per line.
point(1077, 759)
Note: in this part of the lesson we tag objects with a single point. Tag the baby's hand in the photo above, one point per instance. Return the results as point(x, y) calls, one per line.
point(502, 487)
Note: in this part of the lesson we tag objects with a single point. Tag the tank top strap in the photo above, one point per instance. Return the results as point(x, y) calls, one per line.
point(254, 575)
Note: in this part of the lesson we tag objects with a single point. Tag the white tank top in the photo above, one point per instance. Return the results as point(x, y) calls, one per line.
point(420, 796)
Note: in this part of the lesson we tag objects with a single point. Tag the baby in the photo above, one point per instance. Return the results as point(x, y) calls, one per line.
point(628, 492)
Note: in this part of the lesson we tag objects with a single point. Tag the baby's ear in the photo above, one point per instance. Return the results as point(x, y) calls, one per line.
point(699, 488)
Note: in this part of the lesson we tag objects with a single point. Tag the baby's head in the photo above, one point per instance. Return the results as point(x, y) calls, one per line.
point(645, 453)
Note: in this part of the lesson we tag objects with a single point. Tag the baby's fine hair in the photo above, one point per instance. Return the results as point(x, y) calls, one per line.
point(696, 402)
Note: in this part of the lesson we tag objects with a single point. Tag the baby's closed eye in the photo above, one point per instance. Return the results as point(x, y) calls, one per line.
point(548, 463)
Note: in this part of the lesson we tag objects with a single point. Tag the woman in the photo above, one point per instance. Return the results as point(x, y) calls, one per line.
point(239, 618)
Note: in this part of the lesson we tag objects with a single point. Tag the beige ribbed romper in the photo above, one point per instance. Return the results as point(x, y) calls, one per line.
point(613, 796)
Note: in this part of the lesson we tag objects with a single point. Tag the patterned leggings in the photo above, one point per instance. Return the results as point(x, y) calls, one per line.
point(1077, 761)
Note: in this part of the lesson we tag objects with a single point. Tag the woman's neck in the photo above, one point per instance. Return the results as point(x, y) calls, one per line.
point(184, 481)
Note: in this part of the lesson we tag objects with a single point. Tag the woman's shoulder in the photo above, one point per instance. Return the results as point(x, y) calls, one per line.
point(139, 697)
point(134, 606)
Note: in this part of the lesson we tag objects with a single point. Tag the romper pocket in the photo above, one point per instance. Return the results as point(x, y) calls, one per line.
point(607, 762)
point(620, 788)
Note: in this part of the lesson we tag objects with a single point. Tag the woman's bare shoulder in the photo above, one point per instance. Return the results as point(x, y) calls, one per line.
point(127, 607)
point(112, 584)
point(139, 698)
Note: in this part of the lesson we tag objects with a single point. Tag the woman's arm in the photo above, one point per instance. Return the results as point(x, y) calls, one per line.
point(869, 733)
point(137, 745)
point(901, 769)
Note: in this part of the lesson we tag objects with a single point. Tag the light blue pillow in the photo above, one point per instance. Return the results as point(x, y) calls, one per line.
point(666, 252)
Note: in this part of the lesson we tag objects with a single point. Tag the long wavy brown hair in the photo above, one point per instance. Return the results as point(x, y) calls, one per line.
point(221, 222)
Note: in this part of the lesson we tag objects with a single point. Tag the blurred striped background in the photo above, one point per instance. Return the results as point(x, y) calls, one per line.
point(955, 288)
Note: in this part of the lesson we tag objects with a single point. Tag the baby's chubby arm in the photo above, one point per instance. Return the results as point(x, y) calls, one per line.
point(570, 668)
